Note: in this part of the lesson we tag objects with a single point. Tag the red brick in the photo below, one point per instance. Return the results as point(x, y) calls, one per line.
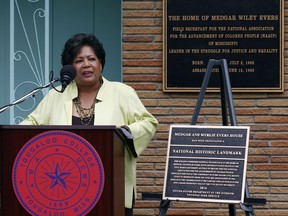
point(266, 113)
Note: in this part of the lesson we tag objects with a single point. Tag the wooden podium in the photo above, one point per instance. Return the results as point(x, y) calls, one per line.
point(105, 139)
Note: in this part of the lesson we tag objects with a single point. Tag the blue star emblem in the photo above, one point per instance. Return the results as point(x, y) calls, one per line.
point(58, 177)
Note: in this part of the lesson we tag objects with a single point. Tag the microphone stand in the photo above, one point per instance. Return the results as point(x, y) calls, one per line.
point(31, 94)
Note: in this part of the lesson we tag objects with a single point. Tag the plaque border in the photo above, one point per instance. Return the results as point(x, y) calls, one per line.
point(209, 200)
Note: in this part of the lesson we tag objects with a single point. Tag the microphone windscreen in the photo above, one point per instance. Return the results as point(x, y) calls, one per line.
point(68, 70)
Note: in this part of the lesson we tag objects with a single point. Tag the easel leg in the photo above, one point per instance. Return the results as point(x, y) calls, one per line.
point(232, 210)
point(164, 205)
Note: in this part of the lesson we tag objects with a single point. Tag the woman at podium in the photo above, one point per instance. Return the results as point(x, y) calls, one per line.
point(91, 99)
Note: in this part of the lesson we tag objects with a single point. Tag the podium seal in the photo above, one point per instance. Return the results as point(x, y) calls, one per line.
point(58, 173)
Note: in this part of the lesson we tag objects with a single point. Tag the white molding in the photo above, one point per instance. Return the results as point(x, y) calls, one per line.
point(39, 70)
point(11, 60)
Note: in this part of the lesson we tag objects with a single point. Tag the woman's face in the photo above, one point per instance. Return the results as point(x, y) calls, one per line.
point(88, 67)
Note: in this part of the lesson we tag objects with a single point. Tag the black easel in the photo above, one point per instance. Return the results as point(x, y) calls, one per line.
point(226, 103)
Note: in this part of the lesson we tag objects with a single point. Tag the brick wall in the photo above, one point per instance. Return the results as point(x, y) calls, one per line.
point(266, 113)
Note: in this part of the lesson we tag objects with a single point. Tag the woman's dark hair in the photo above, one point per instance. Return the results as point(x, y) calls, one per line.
point(75, 43)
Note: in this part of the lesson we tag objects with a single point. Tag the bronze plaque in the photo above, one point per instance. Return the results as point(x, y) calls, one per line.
point(206, 163)
point(247, 33)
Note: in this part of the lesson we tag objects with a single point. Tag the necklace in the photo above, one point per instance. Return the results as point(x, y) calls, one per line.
point(86, 114)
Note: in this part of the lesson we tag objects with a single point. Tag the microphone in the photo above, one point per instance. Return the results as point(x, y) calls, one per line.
point(67, 74)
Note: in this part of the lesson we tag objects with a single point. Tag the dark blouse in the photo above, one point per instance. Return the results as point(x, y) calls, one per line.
point(77, 121)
